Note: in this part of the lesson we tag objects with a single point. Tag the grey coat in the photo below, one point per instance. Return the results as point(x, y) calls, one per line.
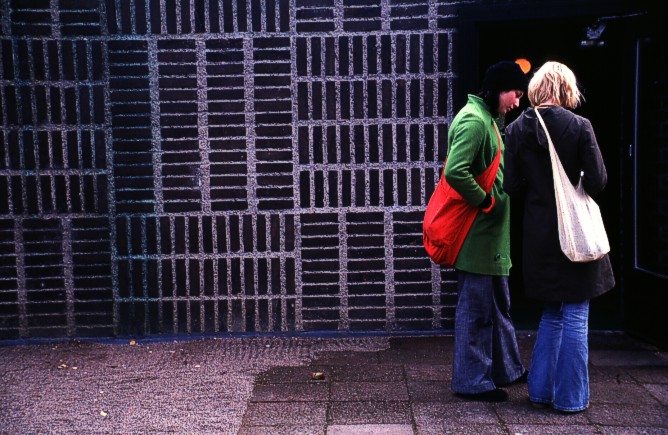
point(548, 274)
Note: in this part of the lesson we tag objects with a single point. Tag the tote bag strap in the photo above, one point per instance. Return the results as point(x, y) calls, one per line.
point(557, 167)
point(547, 133)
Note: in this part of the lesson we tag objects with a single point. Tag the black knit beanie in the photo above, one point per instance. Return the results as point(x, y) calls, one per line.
point(505, 76)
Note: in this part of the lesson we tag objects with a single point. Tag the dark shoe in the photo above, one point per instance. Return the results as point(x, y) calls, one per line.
point(521, 380)
point(561, 411)
point(539, 405)
point(497, 395)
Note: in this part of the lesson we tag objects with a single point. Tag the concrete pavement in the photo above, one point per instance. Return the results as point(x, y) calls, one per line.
point(265, 385)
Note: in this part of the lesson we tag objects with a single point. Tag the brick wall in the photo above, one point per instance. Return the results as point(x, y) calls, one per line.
point(211, 166)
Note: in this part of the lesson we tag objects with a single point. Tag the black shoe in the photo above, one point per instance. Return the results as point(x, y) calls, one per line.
point(521, 380)
point(540, 405)
point(496, 395)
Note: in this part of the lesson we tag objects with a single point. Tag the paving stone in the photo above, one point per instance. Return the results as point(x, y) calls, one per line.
point(649, 375)
point(555, 429)
point(517, 393)
point(627, 415)
point(298, 413)
point(625, 358)
point(434, 413)
point(370, 429)
point(525, 346)
point(225, 392)
point(619, 393)
point(372, 391)
point(448, 428)
point(442, 343)
point(313, 392)
point(660, 391)
point(346, 358)
point(432, 372)
point(616, 340)
point(282, 430)
point(424, 356)
point(632, 430)
point(522, 413)
point(430, 391)
point(368, 373)
point(610, 374)
point(344, 413)
point(278, 375)
point(525, 339)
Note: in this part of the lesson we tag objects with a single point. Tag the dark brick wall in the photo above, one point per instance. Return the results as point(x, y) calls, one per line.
point(210, 166)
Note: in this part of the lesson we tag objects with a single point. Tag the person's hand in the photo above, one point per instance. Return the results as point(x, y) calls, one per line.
point(487, 204)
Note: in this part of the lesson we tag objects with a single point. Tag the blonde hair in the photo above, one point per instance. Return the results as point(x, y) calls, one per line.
point(554, 81)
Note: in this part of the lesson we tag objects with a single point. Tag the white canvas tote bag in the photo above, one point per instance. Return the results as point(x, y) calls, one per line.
point(582, 234)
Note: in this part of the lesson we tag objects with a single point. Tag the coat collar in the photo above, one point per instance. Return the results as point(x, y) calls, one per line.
point(480, 106)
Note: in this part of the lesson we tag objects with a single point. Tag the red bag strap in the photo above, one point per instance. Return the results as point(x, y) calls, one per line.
point(486, 179)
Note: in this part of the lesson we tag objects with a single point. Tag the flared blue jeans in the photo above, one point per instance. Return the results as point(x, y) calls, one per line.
point(558, 373)
point(485, 352)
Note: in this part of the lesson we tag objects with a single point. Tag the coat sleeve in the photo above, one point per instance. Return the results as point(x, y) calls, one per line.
point(466, 138)
point(514, 182)
point(594, 176)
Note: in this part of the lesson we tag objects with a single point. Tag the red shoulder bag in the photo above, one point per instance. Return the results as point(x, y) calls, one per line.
point(449, 217)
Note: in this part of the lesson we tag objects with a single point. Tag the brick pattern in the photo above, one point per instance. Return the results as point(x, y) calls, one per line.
point(56, 271)
point(214, 166)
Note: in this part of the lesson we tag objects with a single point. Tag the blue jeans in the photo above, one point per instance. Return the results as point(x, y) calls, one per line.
point(486, 352)
point(559, 374)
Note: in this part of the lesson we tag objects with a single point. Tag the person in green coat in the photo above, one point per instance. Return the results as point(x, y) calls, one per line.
point(486, 355)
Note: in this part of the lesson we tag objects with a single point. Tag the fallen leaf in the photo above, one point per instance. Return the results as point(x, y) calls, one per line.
point(103, 413)
point(132, 342)
point(75, 368)
point(197, 366)
point(62, 366)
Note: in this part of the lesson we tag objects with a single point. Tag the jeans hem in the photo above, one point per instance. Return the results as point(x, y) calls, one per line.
point(570, 409)
point(543, 401)
point(473, 390)
point(510, 379)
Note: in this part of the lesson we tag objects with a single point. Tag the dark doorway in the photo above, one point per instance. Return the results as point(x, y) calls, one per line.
point(645, 180)
point(600, 78)
point(625, 83)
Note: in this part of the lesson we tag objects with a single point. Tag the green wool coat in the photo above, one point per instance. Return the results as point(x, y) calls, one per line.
point(472, 145)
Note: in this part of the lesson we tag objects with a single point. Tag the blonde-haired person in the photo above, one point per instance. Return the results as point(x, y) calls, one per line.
point(558, 374)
